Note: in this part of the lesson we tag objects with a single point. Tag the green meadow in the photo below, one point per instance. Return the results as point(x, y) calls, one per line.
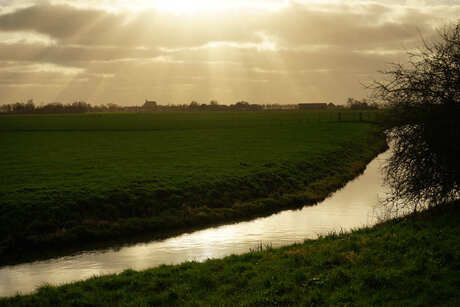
point(71, 180)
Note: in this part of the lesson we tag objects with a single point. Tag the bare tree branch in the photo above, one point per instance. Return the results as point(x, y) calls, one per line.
point(424, 122)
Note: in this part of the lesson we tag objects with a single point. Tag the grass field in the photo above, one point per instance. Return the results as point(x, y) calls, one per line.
point(69, 179)
point(412, 261)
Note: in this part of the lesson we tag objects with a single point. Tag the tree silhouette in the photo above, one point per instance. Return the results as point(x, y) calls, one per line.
point(424, 116)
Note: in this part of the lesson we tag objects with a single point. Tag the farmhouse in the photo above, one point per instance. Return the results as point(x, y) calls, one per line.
point(149, 105)
point(312, 106)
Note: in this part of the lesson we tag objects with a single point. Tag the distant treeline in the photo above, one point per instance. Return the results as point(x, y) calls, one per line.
point(30, 107)
point(363, 104)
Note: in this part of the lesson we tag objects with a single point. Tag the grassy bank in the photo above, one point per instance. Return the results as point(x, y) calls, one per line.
point(412, 261)
point(70, 180)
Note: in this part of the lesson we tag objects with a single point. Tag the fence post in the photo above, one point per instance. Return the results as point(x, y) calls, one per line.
point(360, 116)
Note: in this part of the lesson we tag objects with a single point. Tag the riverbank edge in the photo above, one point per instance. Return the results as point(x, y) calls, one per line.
point(411, 261)
point(174, 222)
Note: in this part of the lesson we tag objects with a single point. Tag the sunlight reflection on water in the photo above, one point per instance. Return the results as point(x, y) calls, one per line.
point(352, 207)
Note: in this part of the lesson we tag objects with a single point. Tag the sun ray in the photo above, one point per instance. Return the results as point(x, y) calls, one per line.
point(197, 6)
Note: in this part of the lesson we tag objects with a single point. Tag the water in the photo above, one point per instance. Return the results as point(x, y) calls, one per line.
point(352, 207)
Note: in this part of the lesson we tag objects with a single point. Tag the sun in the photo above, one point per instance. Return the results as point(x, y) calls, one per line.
point(193, 6)
point(180, 6)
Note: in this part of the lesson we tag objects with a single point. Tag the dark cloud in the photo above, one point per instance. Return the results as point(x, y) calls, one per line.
point(61, 22)
point(365, 25)
point(358, 26)
point(150, 28)
point(74, 55)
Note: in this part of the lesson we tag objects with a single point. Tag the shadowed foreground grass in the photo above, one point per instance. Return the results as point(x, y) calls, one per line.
point(411, 261)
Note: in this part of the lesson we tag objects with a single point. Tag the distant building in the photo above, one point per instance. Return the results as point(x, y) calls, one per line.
point(149, 105)
point(312, 106)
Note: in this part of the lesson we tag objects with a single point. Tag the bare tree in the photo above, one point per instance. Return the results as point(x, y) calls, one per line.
point(424, 118)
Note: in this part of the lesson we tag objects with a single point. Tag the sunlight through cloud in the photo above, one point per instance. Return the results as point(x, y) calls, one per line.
point(132, 49)
point(182, 6)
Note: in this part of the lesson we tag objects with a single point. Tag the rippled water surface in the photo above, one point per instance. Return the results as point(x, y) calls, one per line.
point(352, 207)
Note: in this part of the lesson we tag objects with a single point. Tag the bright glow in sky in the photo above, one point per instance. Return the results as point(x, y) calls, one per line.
point(178, 6)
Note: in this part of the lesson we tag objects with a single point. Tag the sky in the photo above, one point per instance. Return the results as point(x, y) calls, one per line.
point(176, 51)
